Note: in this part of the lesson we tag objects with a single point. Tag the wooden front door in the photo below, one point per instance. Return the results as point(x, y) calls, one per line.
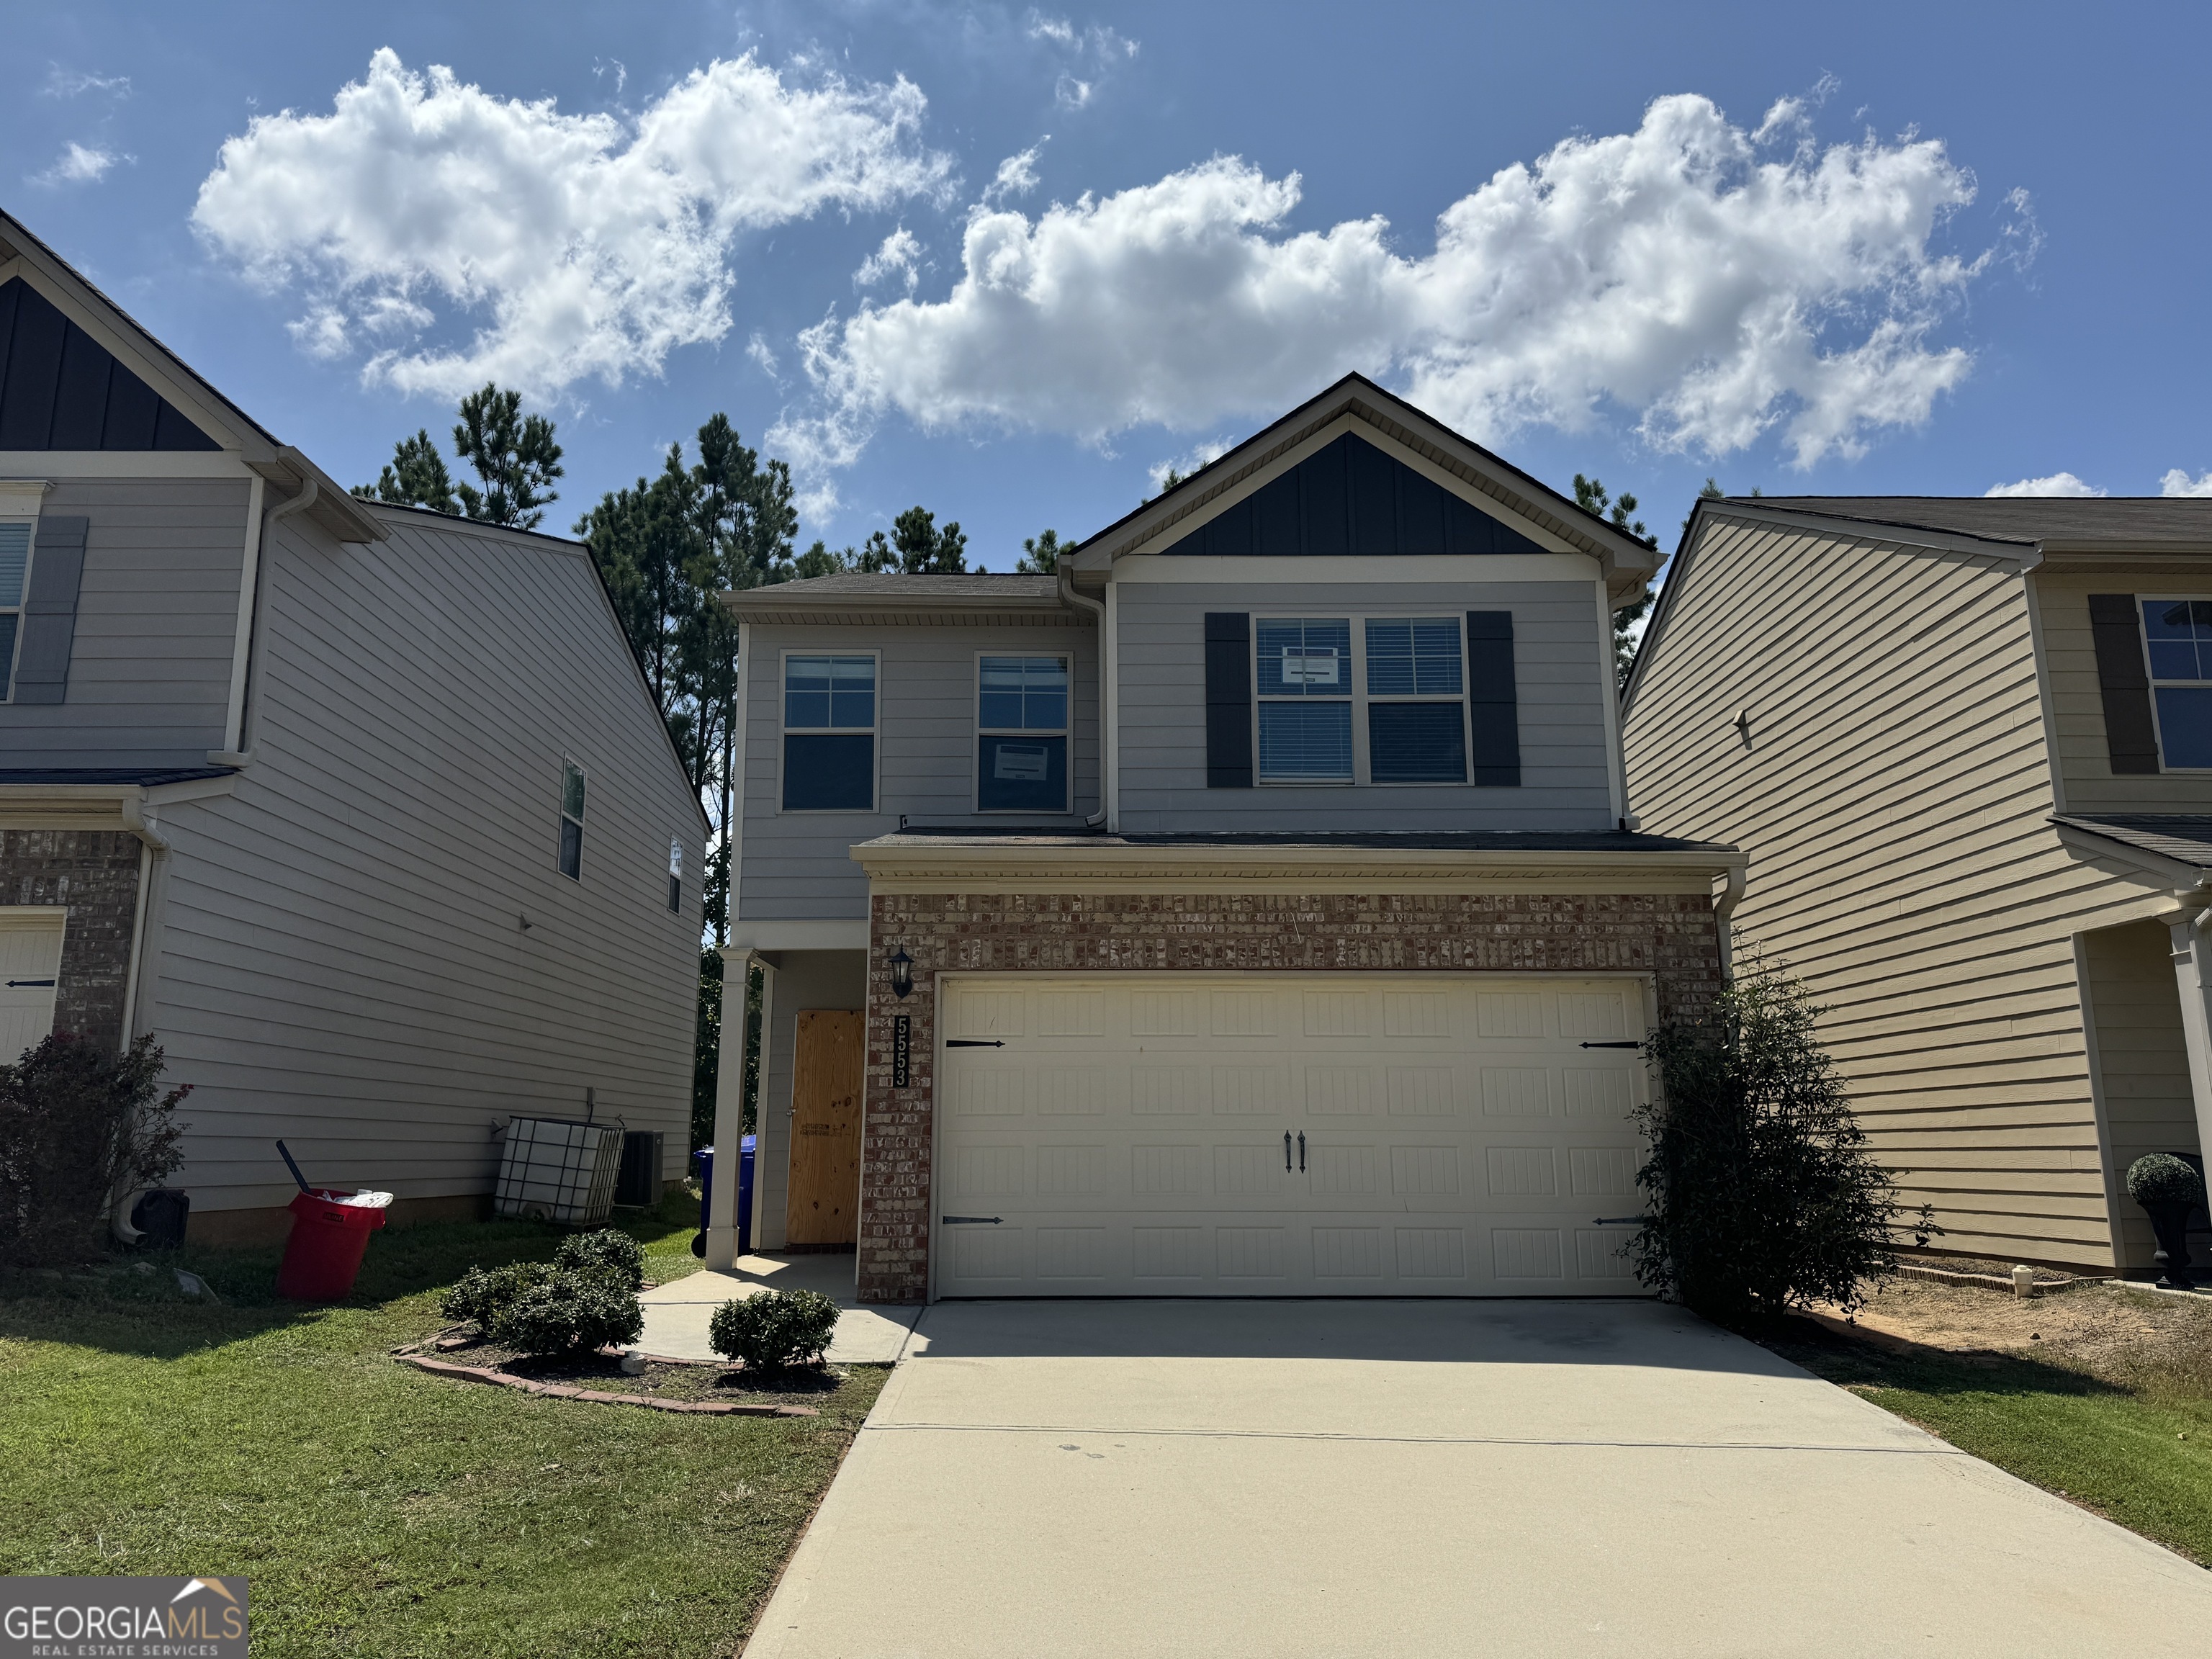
point(825, 1129)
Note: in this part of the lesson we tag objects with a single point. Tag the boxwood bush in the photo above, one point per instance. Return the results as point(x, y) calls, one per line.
point(774, 1330)
point(2162, 1178)
point(584, 1298)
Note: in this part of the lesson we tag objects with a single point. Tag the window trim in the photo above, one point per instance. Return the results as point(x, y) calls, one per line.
point(1362, 770)
point(979, 732)
point(2151, 681)
point(562, 820)
point(875, 733)
point(22, 605)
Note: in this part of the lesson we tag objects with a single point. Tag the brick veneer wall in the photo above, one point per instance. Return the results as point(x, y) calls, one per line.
point(1670, 936)
point(96, 873)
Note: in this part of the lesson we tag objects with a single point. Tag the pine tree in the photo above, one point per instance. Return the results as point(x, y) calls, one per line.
point(415, 475)
point(516, 458)
point(923, 549)
point(1590, 495)
point(1041, 555)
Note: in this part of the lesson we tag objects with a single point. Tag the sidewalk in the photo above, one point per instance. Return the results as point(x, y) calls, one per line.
point(676, 1314)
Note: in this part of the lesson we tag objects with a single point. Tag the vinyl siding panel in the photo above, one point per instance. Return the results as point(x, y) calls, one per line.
point(796, 865)
point(1893, 795)
point(341, 955)
point(1561, 666)
point(157, 616)
point(2088, 783)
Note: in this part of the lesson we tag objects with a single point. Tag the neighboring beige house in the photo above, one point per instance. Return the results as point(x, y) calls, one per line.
point(1967, 745)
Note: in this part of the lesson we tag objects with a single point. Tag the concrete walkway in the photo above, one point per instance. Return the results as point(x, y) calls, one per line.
point(676, 1314)
point(1384, 1478)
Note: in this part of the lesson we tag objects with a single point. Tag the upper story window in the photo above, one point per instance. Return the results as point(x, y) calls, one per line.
point(1021, 723)
point(2179, 636)
point(830, 733)
point(14, 573)
point(1305, 699)
point(675, 875)
point(1381, 703)
point(1416, 728)
point(572, 820)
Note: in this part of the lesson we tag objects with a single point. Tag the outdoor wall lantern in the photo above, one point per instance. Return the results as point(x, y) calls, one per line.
point(902, 973)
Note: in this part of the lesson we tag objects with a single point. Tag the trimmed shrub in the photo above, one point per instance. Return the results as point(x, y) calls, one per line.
point(81, 1126)
point(611, 1250)
point(774, 1330)
point(1760, 1194)
point(546, 1308)
point(2162, 1178)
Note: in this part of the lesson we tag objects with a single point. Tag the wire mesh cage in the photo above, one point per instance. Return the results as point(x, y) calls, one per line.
point(557, 1171)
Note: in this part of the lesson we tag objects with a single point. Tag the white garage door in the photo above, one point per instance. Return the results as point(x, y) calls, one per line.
point(30, 967)
point(1357, 1136)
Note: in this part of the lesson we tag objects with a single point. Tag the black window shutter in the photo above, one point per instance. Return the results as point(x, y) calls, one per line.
point(2129, 737)
point(1492, 705)
point(50, 610)
point(1228, 699)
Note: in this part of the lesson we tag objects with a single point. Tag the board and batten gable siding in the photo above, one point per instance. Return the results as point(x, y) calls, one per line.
point(2086, 781)
point(796, 865)
point(1892, 793)
point(1562, 669)
point(341, 955)
point(156, 619)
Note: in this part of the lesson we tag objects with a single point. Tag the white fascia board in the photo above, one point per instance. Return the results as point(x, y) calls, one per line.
point(842, 934)
point(107, 465)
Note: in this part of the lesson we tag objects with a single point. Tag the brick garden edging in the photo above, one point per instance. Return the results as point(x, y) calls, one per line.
point(597, 1396)
point(1671, 936)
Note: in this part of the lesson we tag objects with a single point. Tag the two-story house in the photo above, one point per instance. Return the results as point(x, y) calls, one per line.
point(1251, 906)
point(366, 813)
point(1967, 745)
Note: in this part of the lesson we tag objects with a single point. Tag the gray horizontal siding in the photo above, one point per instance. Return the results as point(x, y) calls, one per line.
point(341, 957)
point(157, 613)
point(796, 865)
point(1561, 669)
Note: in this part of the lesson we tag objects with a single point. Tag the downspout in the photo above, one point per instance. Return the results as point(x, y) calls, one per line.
point(1097, 609)
point(1723, 907)
point(309, 490)
point(152, 852)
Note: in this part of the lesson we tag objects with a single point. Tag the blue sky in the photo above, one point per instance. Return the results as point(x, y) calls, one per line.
point(1008, 261)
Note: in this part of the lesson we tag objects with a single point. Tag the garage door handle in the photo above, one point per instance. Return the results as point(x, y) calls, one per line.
point(1286, 1152)
point(1620, 1221)
point(1631, 1043)
point(970, 1220)
point(14, 984)
point(1302, 1152)
point(973, 1042)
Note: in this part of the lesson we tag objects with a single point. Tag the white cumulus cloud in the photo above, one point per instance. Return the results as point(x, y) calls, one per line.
point(900, 256)
point(2177, 483)
point(1711, 290)
point(579, 245)
point(2058, 483)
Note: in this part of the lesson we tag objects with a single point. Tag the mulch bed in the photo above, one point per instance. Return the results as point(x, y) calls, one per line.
point(666, 1384)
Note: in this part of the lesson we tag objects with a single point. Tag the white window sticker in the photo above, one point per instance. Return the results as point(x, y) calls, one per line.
point(675, 857)
point(1310, 668)
point(1020, 763)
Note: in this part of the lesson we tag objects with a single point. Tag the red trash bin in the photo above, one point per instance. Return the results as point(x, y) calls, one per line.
point(328, 1240)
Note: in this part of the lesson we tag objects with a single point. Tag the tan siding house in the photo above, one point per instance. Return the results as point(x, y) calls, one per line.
point(1897, 708)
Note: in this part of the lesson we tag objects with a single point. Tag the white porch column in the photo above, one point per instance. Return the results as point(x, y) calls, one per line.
point(729, 1112)
point(2192, 967)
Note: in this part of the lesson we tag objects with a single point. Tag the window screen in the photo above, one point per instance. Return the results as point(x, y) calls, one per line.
point(1021, 718)
point(1304, 683)
point(2178, 634)
point(829, 734)
point(1408, 741)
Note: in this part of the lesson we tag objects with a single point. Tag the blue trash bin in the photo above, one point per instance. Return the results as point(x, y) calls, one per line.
point(704, 1158)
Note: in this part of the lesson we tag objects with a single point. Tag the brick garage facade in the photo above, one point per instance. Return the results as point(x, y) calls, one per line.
point(1671, 936)
point(94, 873)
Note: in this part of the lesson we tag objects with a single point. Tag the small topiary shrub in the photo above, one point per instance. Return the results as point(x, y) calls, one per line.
point(774, 1329)
point(609, 1250)
point(547, 1307)
point(2162, 1178)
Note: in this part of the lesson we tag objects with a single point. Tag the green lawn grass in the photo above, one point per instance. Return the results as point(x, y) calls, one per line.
point(2137, 1449)
point(377, 1511)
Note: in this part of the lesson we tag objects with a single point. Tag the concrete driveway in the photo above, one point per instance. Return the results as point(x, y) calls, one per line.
point(1381, 1478)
